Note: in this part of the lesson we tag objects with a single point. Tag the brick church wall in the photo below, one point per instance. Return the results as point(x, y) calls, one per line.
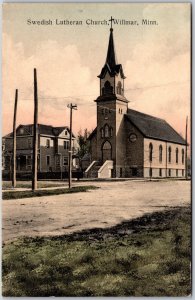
point(134, 152)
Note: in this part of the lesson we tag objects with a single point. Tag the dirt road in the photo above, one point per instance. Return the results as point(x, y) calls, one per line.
point(113, 203)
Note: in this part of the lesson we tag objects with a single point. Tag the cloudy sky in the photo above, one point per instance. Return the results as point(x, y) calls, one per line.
point(156, 61)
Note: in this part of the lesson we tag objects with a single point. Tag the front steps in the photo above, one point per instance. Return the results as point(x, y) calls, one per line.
point(95, 170)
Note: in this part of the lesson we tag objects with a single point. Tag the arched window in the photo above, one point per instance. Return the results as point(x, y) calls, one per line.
point(106, 131)
point(182, 156)
point(108, 89)
point(150, 151)
point(160, 153)
point(102, 132)
point(119, 88)
point(111, 131)
point(169, 154)
point(176, 153)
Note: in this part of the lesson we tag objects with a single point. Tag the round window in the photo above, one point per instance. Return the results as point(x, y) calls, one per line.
point(133, 137)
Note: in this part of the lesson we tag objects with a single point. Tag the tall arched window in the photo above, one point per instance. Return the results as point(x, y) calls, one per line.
point(182, 156)
point(111, 131)
point(160, 153)
point(176, 153)
point(108, 89)
point(150, 151)
point(169, 154)
point(106, 131)
point(102, 132)
point(119, 88)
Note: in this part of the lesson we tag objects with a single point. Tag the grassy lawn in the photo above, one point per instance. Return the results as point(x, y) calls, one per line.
point(41, 193)
point(28, 184)
point(148, 256)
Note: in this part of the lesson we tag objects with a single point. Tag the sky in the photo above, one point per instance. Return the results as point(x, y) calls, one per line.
point(156, 60)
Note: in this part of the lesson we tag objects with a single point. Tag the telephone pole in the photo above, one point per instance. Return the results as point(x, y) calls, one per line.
point(14, 142)
point(35, 134)
point(71, 106)
point(186, 158)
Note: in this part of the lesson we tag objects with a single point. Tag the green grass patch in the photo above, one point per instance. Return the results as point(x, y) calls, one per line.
point(40, 193)
point(27, 184)
point(148, 256)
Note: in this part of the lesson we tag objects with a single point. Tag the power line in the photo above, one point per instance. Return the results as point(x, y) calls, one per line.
point(76, 97)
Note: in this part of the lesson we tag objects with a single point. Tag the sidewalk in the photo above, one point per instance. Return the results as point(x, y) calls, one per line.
point(75, 182)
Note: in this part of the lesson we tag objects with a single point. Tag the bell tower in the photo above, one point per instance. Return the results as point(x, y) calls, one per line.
point(111, 107)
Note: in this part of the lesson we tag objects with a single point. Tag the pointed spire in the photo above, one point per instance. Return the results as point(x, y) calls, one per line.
point(111, 57)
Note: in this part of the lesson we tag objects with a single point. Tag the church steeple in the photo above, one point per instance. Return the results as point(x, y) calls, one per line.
point(111, 76)
point(111, 56)
point(111, 66)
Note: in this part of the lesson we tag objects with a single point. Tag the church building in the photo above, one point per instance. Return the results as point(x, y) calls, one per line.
point(129, 143)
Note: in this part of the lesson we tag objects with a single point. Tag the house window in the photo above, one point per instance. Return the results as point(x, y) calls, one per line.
point(21, 130)
point(66, 145)
point(169, 154)
point(150, 151)
point(176, 152)
point(48, 143)
point(65, 132)
point(160, 172)
point(160, 153)
point(150, 171)
point(29, 144)
point(65, 161)
point(182, 172)
point(169, 172)
point(177, 173)
point(48, 160)
point(182, 156)
point(29, 161)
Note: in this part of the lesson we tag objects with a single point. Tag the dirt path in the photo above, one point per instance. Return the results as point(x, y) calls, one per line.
point(113, 203)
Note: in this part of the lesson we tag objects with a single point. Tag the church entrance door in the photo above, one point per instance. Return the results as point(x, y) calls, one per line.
point(106, 151)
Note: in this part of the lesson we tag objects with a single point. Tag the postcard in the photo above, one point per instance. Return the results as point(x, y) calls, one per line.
point(96, 149)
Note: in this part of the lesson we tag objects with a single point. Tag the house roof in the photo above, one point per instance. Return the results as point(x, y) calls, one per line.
point(153, 127)
point(42, 129)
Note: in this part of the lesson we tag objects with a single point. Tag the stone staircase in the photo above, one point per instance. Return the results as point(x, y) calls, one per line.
point(92, 170)
point(95, 170)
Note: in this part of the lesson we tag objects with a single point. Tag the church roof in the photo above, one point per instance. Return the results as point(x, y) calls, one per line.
point(111, 62)
point(94, 132)
point(153, 127)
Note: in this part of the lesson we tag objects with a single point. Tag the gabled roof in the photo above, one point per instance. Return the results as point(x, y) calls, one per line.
point(111, 62)
point(153, 127)
point(92, 134)
point(112, 71)
point(42, 129)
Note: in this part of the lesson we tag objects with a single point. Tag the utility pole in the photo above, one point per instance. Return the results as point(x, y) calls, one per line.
point(166, 161)
point(71, 106)
point(35, 134)
point(14, 142)
point(186, 158)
